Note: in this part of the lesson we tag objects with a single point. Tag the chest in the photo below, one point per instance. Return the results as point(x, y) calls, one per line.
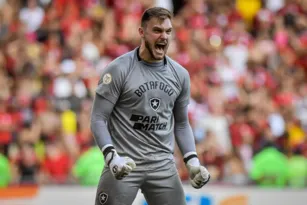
point(150, 89)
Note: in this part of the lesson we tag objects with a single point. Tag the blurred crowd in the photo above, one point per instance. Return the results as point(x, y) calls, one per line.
point(248, 65)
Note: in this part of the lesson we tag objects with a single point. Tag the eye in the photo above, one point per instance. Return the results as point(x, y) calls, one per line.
point(157, 31)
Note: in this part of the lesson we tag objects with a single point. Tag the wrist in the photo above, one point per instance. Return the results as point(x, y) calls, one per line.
point(109, 154)
point(191, 159)
point(193, 162)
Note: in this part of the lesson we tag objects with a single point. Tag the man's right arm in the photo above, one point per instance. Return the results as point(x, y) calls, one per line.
point(101, 111)
point(107, 93)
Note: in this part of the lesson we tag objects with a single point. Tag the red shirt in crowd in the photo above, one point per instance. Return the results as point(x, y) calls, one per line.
point(6, 121)
point(58, 167)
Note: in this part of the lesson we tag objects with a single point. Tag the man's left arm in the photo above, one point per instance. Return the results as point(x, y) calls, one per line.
point(199, 175)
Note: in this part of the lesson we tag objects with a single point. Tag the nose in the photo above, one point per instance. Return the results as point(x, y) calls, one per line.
point(164, 35)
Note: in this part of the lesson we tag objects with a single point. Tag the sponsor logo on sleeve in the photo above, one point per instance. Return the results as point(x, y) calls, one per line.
point(107, 78)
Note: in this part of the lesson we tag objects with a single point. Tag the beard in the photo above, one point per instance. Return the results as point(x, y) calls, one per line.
point(152, 51)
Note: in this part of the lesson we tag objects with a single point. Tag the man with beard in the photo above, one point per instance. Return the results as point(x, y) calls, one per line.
point(140, 109)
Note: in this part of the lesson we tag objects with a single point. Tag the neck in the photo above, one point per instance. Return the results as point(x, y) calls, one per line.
point(145, 54)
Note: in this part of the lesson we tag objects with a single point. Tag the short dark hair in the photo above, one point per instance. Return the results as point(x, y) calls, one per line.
point(155, 12)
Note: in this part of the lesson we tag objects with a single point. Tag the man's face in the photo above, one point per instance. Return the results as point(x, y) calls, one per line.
point(156, 36)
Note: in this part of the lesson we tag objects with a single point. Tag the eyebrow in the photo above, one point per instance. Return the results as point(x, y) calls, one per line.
point(161, 28)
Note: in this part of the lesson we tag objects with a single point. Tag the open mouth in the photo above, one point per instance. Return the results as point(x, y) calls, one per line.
point(160, 47)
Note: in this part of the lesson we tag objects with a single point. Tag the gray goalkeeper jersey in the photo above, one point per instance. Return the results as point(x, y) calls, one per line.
point(144, 94)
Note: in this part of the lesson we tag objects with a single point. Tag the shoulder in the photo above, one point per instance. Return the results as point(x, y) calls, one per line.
point(176, 66)
point(121, 64)
point(123, 61)
point(177, 69)
point(118, 69)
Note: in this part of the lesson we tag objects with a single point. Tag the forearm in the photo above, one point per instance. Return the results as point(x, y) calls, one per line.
point(185, 139)
point(183, 133)
point(119, 166)
point(101, 111)
point(100, 133)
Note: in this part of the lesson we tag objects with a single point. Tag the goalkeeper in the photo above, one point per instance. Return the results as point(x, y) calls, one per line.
point(140, 109)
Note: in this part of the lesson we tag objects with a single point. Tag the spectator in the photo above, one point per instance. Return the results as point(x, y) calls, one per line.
point(210, 153)
point(5, 177)
point(6, 126)
point(234, 171)
point(297, 169)
point(270, 168)
point(87, 169)
point(56, 165)
point(28, 165)
point(32, 16)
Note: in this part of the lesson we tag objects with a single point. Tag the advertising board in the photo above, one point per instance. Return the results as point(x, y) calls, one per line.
point(209, 195)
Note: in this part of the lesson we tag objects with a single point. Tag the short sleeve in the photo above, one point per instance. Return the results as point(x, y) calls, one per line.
point(184, 96)
point(110, 83)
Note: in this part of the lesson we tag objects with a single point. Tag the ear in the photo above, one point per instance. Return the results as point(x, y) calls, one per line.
point(141, 32)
